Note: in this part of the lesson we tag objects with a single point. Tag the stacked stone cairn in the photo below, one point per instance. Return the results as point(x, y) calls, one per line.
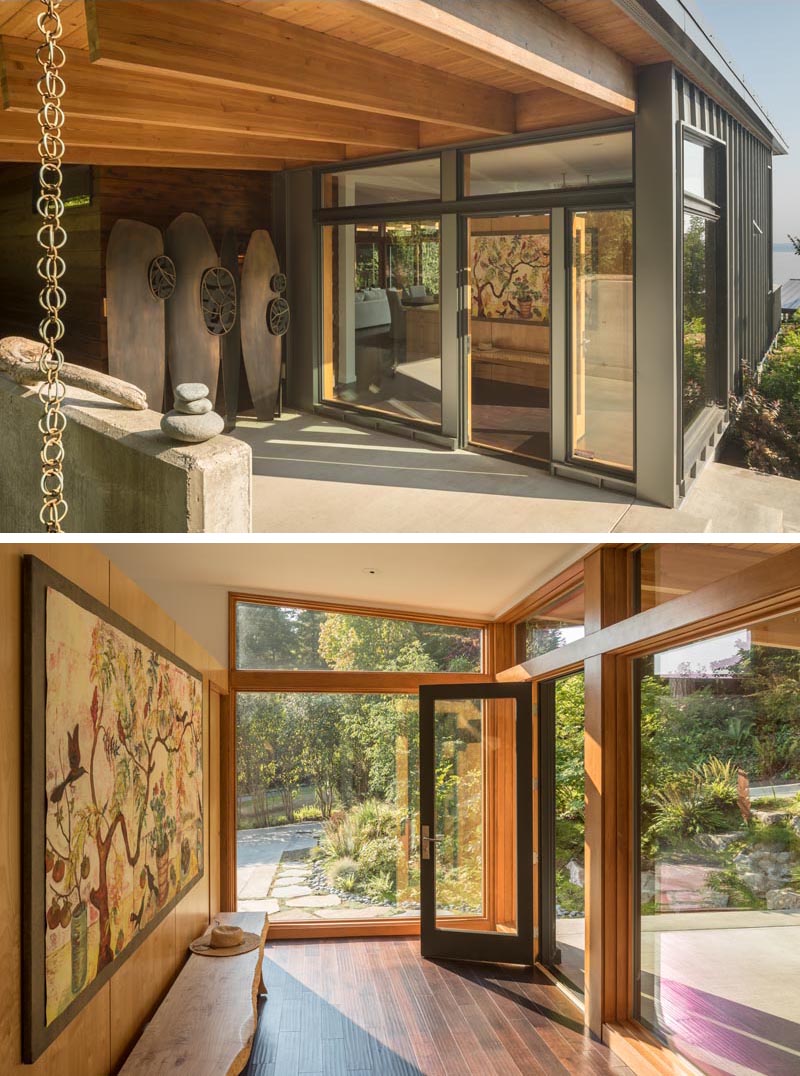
point(194, 418)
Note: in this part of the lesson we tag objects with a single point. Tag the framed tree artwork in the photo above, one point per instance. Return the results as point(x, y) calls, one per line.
point(113, 796)
point(511, 276)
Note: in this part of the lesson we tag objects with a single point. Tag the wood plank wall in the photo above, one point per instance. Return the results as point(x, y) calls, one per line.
point(19, 285)
point(224, 199)
point(99, 1037)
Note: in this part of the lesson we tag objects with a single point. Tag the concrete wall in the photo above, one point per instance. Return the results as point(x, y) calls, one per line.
point(96, 1041)
point(121, 473)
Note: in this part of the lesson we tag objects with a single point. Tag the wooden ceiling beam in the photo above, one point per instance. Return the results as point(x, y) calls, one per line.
point(191, 39)
point(97, 92)
point(115, 134)
point(522, 35)
point(23, 152)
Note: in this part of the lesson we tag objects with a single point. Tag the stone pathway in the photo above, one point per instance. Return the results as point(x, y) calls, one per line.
point(274, 876)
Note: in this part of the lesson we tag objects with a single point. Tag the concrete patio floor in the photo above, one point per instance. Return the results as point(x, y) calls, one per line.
point(723, 983)
point(315, 474)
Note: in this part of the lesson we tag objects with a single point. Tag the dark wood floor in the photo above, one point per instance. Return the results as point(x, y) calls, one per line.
point(373, 1005)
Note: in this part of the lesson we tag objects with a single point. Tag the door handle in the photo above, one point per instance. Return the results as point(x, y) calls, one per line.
point(427, 841)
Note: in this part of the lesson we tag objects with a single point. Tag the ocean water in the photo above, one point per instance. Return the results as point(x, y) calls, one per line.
point(785, 265)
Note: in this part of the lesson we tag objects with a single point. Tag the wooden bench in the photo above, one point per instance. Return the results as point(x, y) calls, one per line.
point(206, 1023)
point(514, 367)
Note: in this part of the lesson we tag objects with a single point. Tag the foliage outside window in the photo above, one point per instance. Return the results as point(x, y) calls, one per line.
point(557, 623)
point(570, 826)
point(292, 638)
point(719, 824)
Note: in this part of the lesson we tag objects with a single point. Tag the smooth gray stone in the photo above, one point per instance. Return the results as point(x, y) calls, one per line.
point(193, 407)
point(191, 390)
point(192, 428)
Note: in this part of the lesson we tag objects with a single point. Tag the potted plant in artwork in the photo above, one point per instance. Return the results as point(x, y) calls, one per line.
point(161, 836)
point(523, 293)
point(66, 873)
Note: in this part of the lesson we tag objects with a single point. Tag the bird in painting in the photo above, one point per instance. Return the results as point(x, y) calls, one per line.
point(75, 768)
point(151, 882)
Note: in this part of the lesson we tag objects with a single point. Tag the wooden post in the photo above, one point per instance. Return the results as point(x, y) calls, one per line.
point(608, 575)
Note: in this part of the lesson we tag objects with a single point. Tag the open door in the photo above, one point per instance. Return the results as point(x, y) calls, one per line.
point(476, 835)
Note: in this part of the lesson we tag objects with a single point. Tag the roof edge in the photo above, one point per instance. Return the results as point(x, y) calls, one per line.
point(678, 26)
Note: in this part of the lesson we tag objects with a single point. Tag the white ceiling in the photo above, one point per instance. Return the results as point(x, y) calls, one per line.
point(190, 580)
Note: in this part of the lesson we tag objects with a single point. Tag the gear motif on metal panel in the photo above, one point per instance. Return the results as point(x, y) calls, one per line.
point(218, 298)
point(161, 277)
point(278, 316)
point(278, 282)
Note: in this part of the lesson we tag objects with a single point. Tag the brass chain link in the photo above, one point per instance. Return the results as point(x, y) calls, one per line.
point(50, 267)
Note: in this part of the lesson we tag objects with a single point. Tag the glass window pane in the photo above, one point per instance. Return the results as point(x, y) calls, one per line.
point(719, 825)
point(406, 181)
point(601, 337)
point(699, 315)
point(284, 637)
point(554, 625)
point(668, 571)
point(328, 805)
point(382, 320)
point(458, 818)
point(570, 829)
point(574, 162)
point(699, 170)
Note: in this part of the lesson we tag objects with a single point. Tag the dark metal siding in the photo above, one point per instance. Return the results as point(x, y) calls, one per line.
point(749, 176)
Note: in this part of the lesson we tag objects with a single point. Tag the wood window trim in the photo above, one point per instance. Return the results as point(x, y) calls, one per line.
point(333, 682)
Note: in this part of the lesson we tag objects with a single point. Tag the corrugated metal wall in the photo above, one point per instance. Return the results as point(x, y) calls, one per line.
point(749, 208)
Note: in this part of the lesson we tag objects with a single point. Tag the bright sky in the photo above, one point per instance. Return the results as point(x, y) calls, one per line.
point(760, 38)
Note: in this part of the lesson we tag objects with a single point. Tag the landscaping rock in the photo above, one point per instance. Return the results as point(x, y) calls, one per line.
point(717, 841)
point(771, 818)
point(763, 869)
point(795, 824)
point(783, 900)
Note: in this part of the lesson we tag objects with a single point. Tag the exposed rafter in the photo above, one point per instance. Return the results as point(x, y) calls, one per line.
point(267, 56)
point(97, 92)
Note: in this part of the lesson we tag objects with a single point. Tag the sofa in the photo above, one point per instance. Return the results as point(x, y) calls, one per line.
point(372, 308)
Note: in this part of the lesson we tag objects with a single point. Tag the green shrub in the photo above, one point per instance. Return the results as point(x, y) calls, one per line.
point(380, 887)
point(309, 813)
point(342, 873)
point(701, 800)
point(739, 894)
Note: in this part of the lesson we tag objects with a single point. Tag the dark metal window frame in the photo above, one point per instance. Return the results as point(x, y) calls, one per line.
point(693, 437)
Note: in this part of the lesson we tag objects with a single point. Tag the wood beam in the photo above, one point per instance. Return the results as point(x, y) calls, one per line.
point(521, 35)
point(23, 152)
point(266, 55)
point(97, 92)
point(23, 127)
point(539, 110)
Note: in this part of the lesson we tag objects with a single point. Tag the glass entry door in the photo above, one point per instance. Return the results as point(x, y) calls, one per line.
point(476, 833)
point(508, 302)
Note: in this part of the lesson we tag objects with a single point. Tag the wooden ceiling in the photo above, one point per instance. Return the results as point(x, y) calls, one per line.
point(272, 84)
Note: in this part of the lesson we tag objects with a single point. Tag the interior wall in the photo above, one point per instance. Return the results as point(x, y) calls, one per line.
point(101, 1034)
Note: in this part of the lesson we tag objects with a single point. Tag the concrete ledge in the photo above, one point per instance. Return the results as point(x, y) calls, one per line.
point(121, 473)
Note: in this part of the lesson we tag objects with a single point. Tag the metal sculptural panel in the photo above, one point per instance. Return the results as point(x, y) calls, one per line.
point(161, 277)
point(193, 353)
point(218, 299)
point(136, 351)
point(260, 347)
point(232, 341)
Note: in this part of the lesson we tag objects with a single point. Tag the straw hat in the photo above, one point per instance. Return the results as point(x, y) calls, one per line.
point(224, 940)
